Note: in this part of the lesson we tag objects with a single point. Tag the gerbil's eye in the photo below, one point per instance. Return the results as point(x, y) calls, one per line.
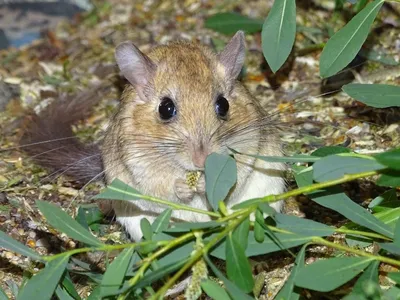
point(221, 107)
point(166, 109)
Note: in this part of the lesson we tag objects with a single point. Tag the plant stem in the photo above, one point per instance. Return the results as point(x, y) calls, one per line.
point(148, 260)
point(167, 203)
point(315, 186)
point(321, 241)
point(198, 254)
point(103, 248)
point(363, 233)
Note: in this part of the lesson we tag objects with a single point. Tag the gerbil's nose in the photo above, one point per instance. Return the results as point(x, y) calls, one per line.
point(199, 155)
point(199, 159)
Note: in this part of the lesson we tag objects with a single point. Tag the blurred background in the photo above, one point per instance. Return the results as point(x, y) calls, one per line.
point(22, 21)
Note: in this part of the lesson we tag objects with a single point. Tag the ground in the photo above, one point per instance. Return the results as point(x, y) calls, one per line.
point(77, 56)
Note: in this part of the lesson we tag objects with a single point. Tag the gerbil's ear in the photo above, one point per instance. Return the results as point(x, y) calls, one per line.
point(136, 66)
point(232, 57)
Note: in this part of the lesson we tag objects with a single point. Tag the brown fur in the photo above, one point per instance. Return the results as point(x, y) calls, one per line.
point(48, 138)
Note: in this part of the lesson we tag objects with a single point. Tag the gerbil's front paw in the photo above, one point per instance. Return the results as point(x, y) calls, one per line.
point(183, 191)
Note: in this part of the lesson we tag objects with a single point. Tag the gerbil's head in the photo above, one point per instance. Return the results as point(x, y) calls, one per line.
point(185, 102)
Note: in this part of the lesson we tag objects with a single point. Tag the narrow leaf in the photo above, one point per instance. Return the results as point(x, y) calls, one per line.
point(396, 239)
point(259, 234)
point(162, 221)
point(63, 222)
point(336, 166)
point(214, 290)
point(288, 291)
point(389, 178)
point(237, 265)
point(62, 294)
point(328, 274)
point(370, 275)
point(229, 23)
point(335, 199)
point(235, 292)
point(220, 173)
point(42, 285)
point(241, 233)
point(186, 226)
point(119, 190)
point(391, 158)
point(345, 44)
point(3, 295)
point(269, 245)
point(302, 226)
point(9, 243)
point(330, 150)
point(394, 276)
point(115, 273)
point(292, 159)
point(375, 95)
point(147, 231)
point(279, 32)
point(390, 247)
point(387, 200)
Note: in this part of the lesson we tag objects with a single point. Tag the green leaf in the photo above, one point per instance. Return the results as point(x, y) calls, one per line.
point(64, 223)
point(186, 226)
point(119, 190)
point(389, 217)
point(336, 166)
point(386, 201)
point(269, 245)
point(180, 252)
point(380, 57)
point(237, 265)
point(288, 159)
point(375, 95)
point(370, 275)
point(302, 226)
point(115, 273)
point(335, 199)
point(345, 44)
point(241, 233)
point(161, 272)
point(396, 239)
point(42, 285)
point(62, 294)
point(9, 243)
point(279, 32)
point(3, 295)
point(328, 274)
point(390, 247)
point(69, 286)
point(289, 291)
point(391, 293)
point(214, 290)
point(95, 294)
point(220, 173)
point(235, 292)
point(259, 234)
point(229, 23)
point(162, 221)
point(389, 178)
point(147, 231)
point(330, 150)
point(394, 276)
point(390, 158)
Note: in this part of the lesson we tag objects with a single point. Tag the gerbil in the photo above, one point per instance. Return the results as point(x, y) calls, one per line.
point(183, 103)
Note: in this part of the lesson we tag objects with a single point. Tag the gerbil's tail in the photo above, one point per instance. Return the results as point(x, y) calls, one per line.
point(49, 140)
